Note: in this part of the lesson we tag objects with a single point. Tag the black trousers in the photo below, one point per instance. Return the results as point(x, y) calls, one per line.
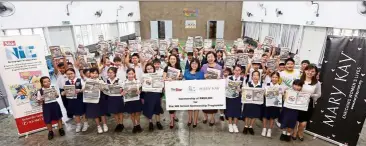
point(66, 103)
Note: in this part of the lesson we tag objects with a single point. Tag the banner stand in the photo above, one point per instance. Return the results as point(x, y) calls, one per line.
point(34, 131)
point(324, 138)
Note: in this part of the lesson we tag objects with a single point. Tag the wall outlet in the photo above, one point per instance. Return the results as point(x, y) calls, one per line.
point(66, 22)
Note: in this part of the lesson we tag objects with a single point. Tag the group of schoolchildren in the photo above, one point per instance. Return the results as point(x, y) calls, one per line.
point(131, 69)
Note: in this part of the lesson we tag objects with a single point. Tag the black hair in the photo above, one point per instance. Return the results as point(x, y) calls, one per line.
point(219, 51)
point(210, 52)
point(275, 73)
point(257, 72)
point(289, 59)
point(281, 64)
point(69, 63)
point(213, 46)
point(130, 69)
point(114, 69)
point(305, 61)
point(313, 79)
point(117, 59)
point(42, 78)
point(264, 55)
point(196, 61)
point(92, 70)
point(251, 51)
point(135, 54)
point(239, 51)
point(190, 54)
point(177, 64)
point(237, 66)
point(103, 59)
point(175, 49)
point(149, 64)
point(298, 82)
point(229, 70)
point(156, 61)
point(61, 64)
point(85, 71)
point(70, 69)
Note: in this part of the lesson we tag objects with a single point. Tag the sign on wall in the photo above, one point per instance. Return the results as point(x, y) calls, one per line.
point(340, 112)
point(195, 94)
point(190, 12)
point(190, 24)
point(22, 64)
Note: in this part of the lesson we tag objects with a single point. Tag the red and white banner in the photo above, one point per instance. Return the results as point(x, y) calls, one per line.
point(22, 64)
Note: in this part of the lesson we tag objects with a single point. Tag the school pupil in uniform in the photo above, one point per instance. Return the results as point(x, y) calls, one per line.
point(227, 73)
point(271, 113)
point(51, 111)
point(115, 102)
point(100, 109)
point(152, 103)
point(281, 67)
point(76, 105)
point(289, 116)
point(106, 63)
point(251, 112)
point(220, 57)
point(313, 87)
point(134, 108)
point(86, 74)
point(193, 73)
point(233, 104)
point(174, 63)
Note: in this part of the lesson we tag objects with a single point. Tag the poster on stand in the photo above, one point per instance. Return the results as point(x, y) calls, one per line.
point(22, 64)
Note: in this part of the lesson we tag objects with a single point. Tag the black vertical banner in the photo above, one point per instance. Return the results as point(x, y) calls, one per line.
point(339, 114)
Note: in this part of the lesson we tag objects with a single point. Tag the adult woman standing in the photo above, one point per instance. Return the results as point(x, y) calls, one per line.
point(313, 87)
point(173, 62)
point(211, 63)
point(193, 74)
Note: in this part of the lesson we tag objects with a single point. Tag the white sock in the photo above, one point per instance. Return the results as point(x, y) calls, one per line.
point(265, 129)
point(221, 114)
point(288, 134)
point(284, 132)
point(246, 126)
point(250, 126)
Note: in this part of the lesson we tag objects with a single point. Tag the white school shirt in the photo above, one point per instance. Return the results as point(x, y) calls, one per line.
point(104, 73)
point(160, 72)
point(61, 79)
point(267, 79)
point(39, 96)
point(121, 72)
point(138, 70)
point(314, 90)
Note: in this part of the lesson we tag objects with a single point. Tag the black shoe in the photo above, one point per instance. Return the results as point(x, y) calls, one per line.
point(222, 118)
point(122, 127)
point(118, 128)
point(151, 126)
point(50, 135)
point(211, 124)
point(158, 124)
point(61, 131)
point(194, 126)
point(204, 122)
point(139, 129)
point(134, 130)
point(288, 138)
point(293, 138)
point(283, 137)
point(301, 138)
point(189, 124)
point(251, 131)
point(176, 119)
point(245, 130)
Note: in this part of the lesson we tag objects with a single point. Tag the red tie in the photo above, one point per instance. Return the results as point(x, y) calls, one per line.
point(72, 82)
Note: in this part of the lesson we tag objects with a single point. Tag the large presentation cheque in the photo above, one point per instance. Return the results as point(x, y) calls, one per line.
point(195, 94)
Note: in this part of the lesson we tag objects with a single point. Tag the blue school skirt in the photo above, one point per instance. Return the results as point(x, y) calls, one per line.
point(288, 118)
point(51, 112)
point(271, 112)
point(233, 107)
point(252, 111)
point(76, 106)
point(152, 104)
point(95, 110)
point(115, 104)
point(133, 106)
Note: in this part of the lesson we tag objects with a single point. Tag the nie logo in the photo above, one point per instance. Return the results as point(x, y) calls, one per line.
point(176, 89)
point(191, 89)
point(14, 52)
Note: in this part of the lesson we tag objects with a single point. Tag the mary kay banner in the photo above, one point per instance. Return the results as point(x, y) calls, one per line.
point(340, 113)
point(195, 94)
point(22, 64)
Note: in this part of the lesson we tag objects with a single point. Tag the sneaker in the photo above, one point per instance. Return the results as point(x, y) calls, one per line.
point(251, 131)
point(269, 133)
point(78, 127)
point(236, 130)
point(105, 127)
point(134, 130)
point(245, 130)
point(231, 130)
point(61, 131)
point(222, 118)
point(151, 126)
point(100, 130)
point(278, 123)
point(85, 127)
point(118, 128)
point(264, 131)
point(158, 124)
point(50, 135)
point(283, 137)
